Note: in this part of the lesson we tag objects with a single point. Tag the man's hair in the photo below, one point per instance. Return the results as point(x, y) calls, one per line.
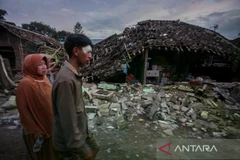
point(76, 40)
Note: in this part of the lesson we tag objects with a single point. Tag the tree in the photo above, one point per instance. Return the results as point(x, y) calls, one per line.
point(78, 28)
point(41, 28)
point(61, 35)
point(2, 14)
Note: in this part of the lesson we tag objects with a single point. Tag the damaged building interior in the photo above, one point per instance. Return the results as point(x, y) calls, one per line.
point(16, 43)
point(165, 50)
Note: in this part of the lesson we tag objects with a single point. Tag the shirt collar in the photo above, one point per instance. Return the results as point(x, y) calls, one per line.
point(71, 68)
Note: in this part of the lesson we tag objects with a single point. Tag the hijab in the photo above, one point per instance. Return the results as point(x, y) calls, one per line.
point(33, 98)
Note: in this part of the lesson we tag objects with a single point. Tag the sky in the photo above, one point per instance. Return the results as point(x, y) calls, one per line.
point(102, 18)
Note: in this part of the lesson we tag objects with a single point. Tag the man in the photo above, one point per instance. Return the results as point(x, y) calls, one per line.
point(71, 137)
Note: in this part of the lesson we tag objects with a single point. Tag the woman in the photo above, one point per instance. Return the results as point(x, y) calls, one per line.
point(33, 100)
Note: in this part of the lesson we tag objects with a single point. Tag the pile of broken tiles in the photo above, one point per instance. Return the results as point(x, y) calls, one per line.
point(205, 107)
point(208, 107)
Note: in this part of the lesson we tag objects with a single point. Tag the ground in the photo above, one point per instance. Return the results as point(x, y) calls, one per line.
point(134, 133)
point(10, 143)
point(140, 141)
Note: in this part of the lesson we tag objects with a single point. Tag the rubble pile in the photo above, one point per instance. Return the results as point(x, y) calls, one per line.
point(201, 107)
point(8, 112)
point(206, 107)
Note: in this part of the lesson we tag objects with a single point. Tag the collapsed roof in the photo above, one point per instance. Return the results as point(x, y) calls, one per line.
point(236, 42)
point(109, 54)
point(29, 35)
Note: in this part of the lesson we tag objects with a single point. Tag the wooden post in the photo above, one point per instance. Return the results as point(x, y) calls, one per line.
point(5, 80)
point(145, 66)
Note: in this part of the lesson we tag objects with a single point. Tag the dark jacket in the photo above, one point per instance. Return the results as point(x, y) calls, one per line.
point(70, 120)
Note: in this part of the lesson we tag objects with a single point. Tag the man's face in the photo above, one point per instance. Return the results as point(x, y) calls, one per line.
point(83, 54)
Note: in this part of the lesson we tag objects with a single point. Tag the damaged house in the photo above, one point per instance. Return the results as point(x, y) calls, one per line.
point(156, 50)
point(16, 43)
point(236, 42)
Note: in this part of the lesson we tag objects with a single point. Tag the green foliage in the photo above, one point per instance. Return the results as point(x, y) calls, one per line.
point(78, 28)
point(61, 35)
point(41, 28)
point(47, 30)
point(54, 56)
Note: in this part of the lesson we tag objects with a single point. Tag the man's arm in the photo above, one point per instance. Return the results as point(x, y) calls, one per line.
point(68, 115)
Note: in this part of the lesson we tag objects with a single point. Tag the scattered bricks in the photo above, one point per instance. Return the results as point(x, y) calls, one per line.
point(168, 132)
point(104, 111)
point(184, 109)
point(176, 107)
point(190, 112)
point(91, 109)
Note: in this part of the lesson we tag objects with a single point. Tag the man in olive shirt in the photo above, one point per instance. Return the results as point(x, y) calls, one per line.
point(71, 137)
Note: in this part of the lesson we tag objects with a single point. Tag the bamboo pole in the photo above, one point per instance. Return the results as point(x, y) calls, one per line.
point(5, 72)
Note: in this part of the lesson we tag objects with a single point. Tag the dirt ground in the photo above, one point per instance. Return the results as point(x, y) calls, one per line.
point(10, 143)
point(138, 142)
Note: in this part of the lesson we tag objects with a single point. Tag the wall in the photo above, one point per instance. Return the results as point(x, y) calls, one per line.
point(8, 39)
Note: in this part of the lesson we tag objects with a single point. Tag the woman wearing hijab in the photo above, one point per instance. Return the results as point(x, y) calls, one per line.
point(33, 100)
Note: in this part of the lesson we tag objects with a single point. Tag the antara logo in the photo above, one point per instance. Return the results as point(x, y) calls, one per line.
point(164, 151)
point(187, 148)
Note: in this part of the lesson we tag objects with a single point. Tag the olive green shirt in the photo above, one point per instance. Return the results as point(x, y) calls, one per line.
point(70, 123)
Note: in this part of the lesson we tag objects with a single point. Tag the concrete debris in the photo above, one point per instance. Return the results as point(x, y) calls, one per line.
point(104, 111)
point(213, 126)
point(124, 106)
point(11, 127)
point(6, 91)
point(110, 127)
point(194, 129)
point(204, 130)
point(114, 109)
point(190, 112)
point(103, 94)
point(202, 107)
point(168, 132)
point(219, 134)
point(152, 112)
point(91, 109)
point(236, 93)
point(176, 107)
point(182, 119)
point(185, 88)
point(225, 95)
point(164, 105)
point(91, 116)
point(10, 104)
point(184, 109)
point(107, 86)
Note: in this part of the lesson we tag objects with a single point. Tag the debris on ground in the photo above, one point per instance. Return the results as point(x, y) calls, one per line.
point(206, 107)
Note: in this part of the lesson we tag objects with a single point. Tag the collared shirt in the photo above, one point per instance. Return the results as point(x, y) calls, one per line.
point(70, 120)
point(71, 68)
